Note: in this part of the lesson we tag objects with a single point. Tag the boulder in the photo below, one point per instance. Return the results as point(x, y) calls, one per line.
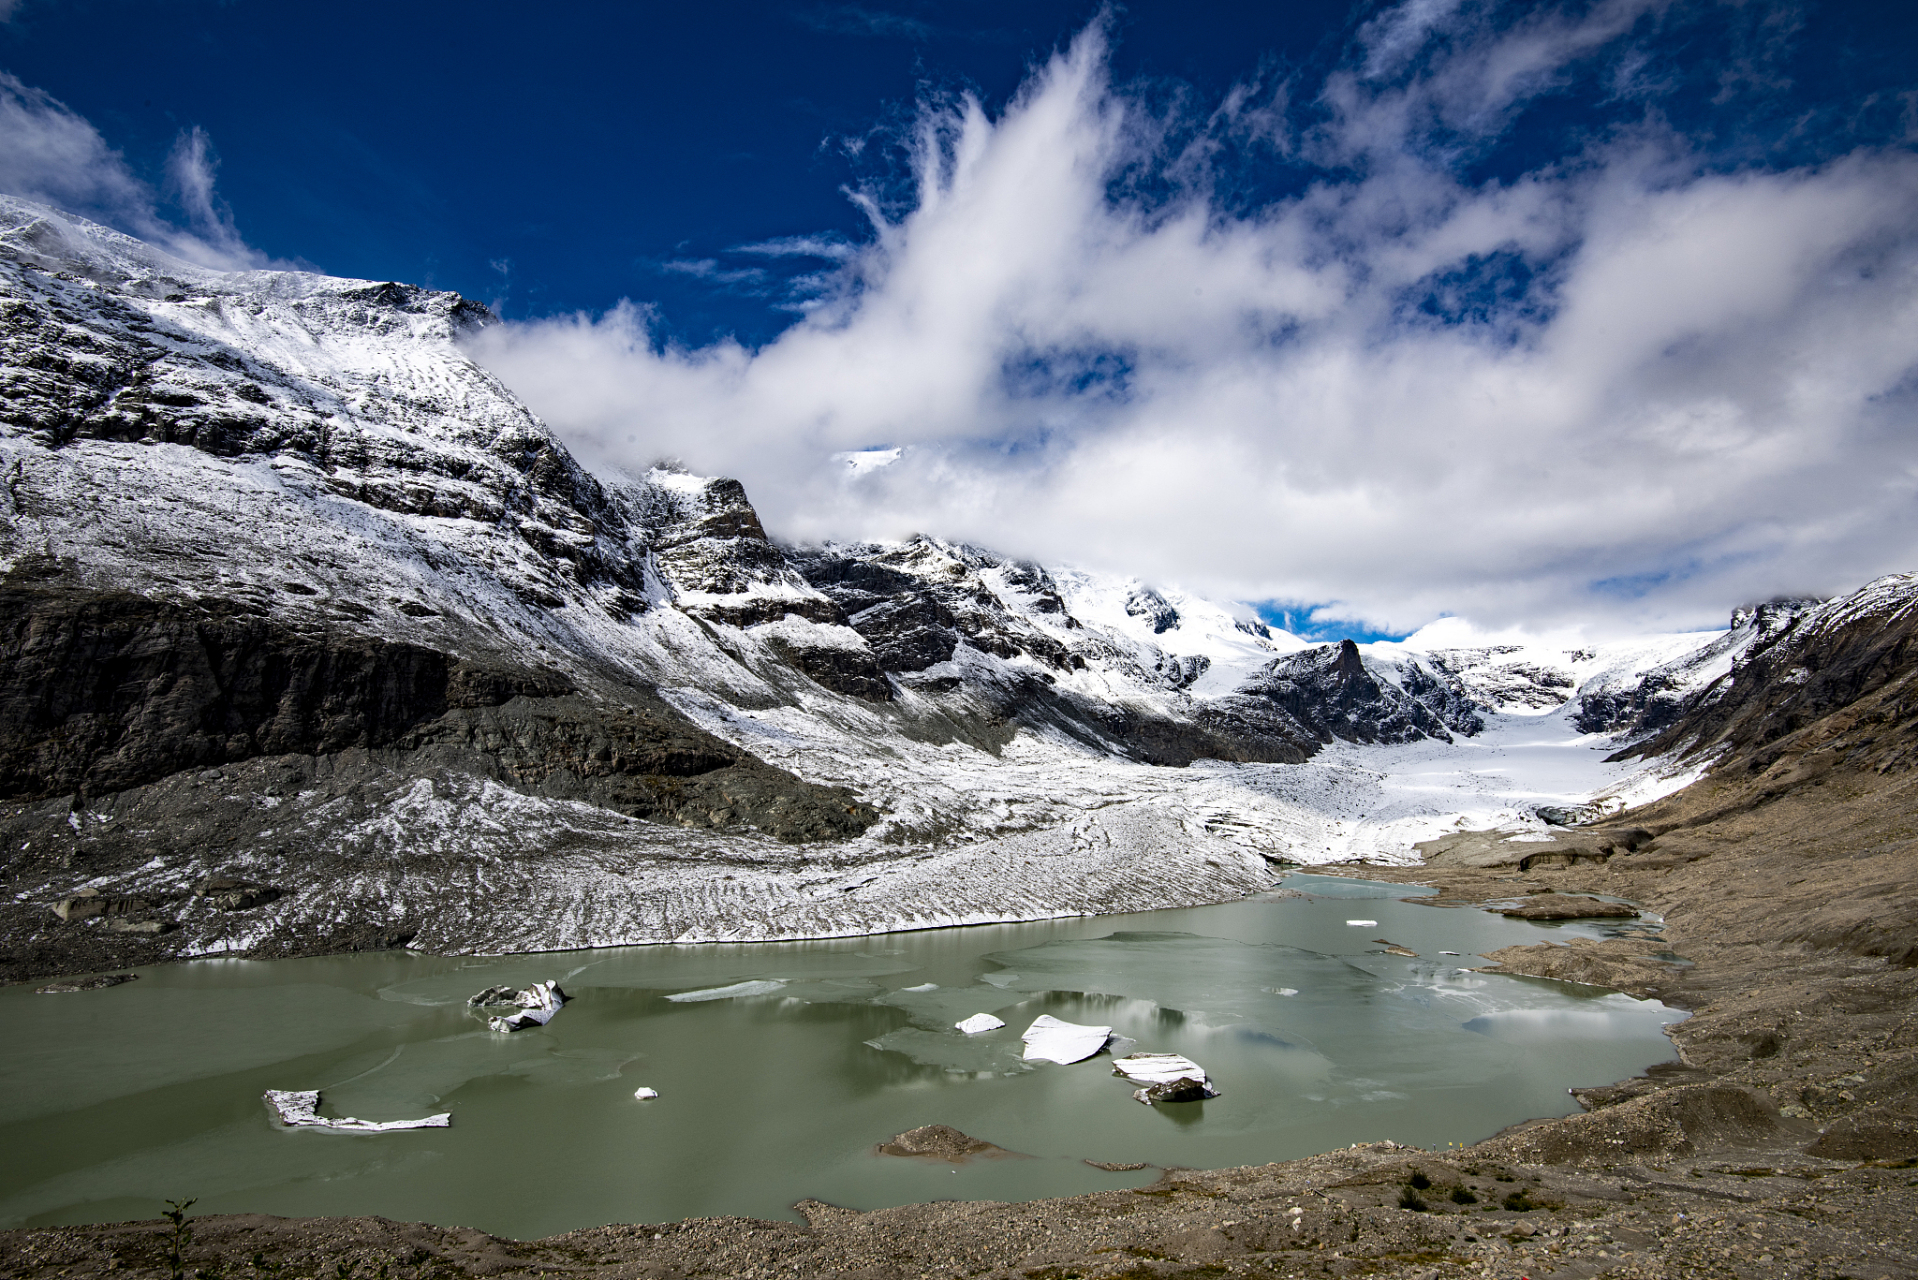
point(1184, 1089)
point(940, 1142)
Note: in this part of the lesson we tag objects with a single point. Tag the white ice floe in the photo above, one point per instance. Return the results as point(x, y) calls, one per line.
point(1050, 1040)
point(980, 1022)
point(299, 1108)
point(644, 1094)
point(1157, 1068)
point(761, 988)
point(1363, 924)
point(924, 986)
point(537, 1005)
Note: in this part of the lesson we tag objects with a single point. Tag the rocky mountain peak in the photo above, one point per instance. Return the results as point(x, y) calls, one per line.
point(1350, 667)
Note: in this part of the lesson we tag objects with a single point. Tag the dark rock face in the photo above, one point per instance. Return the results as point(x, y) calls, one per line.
point(640, 762)
point(918, 602)
point(1854, 655)
point(100, 692)
point(1331, 693)
point(1668, 694)
point(852, 672)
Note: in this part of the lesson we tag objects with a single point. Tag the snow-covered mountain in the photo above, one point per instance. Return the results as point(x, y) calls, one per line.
point(301, 601)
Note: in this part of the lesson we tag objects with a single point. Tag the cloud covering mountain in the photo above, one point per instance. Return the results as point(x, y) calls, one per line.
point(1645, 375)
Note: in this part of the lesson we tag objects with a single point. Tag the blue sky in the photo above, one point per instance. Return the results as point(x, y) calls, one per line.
point(560, 162)
point(1415, 309)
point(556, 163)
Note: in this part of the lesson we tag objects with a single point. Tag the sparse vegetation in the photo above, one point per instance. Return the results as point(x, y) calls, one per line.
point(179, 1235)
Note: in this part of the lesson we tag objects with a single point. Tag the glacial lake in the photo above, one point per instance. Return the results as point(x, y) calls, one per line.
point(114, 1100)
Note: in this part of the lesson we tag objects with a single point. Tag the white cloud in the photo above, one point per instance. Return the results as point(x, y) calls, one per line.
point(52, 155)
point(1620, 390)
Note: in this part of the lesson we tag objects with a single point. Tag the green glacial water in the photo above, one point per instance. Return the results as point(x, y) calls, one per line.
point(113, 1100)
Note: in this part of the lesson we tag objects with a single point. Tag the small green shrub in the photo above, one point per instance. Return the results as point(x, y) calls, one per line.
point(1409, 1199)
point(179, 1236)
point(1461, 1196)
point(1418, 1181)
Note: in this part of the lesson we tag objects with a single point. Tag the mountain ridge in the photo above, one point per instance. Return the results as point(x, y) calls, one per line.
point(290, 575)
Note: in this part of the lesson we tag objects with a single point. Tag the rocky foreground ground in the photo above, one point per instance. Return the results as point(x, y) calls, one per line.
point(1785, 1143)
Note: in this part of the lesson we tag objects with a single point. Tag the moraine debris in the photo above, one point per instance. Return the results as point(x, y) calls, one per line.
point(85, 984)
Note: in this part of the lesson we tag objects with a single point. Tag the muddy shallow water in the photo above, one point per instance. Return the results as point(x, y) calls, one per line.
point(115, 1099)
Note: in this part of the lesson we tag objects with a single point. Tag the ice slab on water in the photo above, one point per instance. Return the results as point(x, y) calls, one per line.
point(299, 1108)
point(1363, 924)
point(924, 986)
point(1050, 1040)
point(980, 1022)
point(1157, 1068)
point(537, 1005)
point(644, 1094)
point(761, 988)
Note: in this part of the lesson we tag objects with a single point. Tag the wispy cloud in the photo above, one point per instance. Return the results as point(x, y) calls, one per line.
point(817, 246)
point(1399, 390)
point(51, 154)
point(854, 20)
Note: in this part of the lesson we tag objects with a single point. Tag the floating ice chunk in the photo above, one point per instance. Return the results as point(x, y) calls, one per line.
point(980, 1022)
point(299, 1108)
point(1050, 1040)
point(762, 988)
point(1280, 991)
point(1157, 1068)
point(1448, 953)
point(924, 986)
point(1363, 924)
point(644, 1094)
point(537, 1005)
